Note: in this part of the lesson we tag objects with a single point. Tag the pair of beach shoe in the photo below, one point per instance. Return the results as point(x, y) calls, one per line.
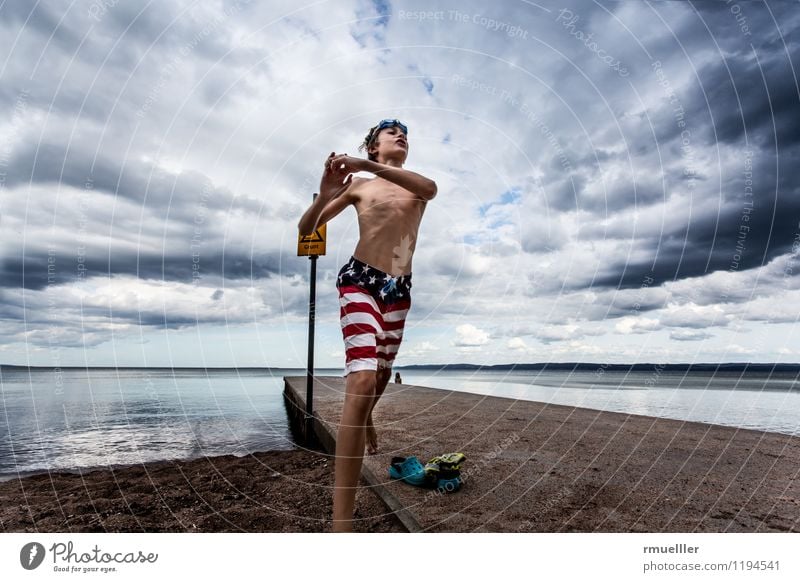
point(442, 472)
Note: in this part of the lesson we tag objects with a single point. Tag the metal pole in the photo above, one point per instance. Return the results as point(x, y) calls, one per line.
point(312, 307)
point(310, 372)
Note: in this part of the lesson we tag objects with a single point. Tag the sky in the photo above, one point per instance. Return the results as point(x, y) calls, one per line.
point(618, 181)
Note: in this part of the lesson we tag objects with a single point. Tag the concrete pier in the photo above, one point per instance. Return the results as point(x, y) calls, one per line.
point(534, 467)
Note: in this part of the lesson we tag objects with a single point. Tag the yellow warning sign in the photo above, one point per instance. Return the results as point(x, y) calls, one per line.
point(312, 244)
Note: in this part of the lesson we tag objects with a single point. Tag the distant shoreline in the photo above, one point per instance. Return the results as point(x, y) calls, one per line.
point(558, 366)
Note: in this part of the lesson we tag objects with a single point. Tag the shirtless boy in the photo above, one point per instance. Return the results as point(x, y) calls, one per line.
point(374, 285)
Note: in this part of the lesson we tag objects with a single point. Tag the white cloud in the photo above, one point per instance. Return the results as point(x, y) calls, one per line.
point(551, 333)
point(517, 343)
point(640, 324)
point(467, 335)
point(419, 349)
point(695, 316)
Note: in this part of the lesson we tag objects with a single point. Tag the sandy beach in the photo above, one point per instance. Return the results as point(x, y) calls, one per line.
point(278, 491)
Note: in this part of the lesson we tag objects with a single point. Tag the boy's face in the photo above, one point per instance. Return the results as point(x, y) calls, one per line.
point(391, 142)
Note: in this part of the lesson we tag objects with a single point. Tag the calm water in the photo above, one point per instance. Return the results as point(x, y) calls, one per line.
point(117, 417)
point(113, 417)
point(759, 401)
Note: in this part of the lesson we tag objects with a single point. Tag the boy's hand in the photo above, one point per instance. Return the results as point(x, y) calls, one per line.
point(347, 163)
point(335, 178)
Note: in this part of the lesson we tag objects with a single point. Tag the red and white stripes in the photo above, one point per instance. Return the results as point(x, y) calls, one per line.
point(372, 329)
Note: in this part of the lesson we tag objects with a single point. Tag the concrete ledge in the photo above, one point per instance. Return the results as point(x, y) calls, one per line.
point(324, 437)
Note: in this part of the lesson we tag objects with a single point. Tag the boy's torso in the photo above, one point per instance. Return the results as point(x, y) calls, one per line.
point(388, 218)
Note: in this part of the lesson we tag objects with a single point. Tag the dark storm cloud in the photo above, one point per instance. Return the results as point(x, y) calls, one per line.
point(97, 58)
point(749, 97)
point(190, 207)
point(751, 85)
point(564, 194)
point(746, 20)
point(74, 165)
point(732, 24)
point(10, 310)
point(38, 270)
point(162, 319)
point(621, 305)
point(622, 194)
point(41, 19)
point(744, 234)
point(686, 335)
point(749, 102)
point(89, 25)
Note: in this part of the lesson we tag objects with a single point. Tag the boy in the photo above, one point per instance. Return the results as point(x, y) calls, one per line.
point(374, 285)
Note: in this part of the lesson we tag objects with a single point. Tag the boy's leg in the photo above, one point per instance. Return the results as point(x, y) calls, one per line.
point(359, 395)
point(387, 344)
point(382, 379)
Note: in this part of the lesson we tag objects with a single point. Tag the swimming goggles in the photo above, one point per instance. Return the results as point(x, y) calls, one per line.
point(383, 125)
point(391, 123)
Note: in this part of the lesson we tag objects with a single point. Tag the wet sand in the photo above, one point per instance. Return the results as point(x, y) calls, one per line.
point(277, 491)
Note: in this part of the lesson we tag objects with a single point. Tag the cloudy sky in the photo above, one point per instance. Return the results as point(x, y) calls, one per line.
point(619, 181)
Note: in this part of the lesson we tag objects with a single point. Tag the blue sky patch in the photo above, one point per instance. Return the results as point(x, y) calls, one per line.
point(511, 196)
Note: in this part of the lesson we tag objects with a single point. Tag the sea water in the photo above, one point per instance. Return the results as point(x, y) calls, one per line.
point(72, 419)
point(754, 400)
point(61, 420)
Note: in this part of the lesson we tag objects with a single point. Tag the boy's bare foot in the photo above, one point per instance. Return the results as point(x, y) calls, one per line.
point(372, 438)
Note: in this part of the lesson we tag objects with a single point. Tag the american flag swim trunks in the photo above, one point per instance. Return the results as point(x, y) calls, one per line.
point(373, 308)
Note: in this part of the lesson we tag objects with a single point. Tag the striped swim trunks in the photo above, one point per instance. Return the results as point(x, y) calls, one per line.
point(373, 308)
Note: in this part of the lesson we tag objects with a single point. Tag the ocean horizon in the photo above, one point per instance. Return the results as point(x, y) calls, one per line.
point(76, 418)
point(639, 366)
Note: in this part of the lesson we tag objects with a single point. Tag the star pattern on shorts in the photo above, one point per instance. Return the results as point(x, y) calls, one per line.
point(392, 286)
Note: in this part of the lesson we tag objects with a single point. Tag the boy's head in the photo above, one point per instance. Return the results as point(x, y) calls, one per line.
point(388, 139)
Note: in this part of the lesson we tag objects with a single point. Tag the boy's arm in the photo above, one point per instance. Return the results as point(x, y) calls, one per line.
point(416, 183)
point(321, 212)
point(333, 197)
